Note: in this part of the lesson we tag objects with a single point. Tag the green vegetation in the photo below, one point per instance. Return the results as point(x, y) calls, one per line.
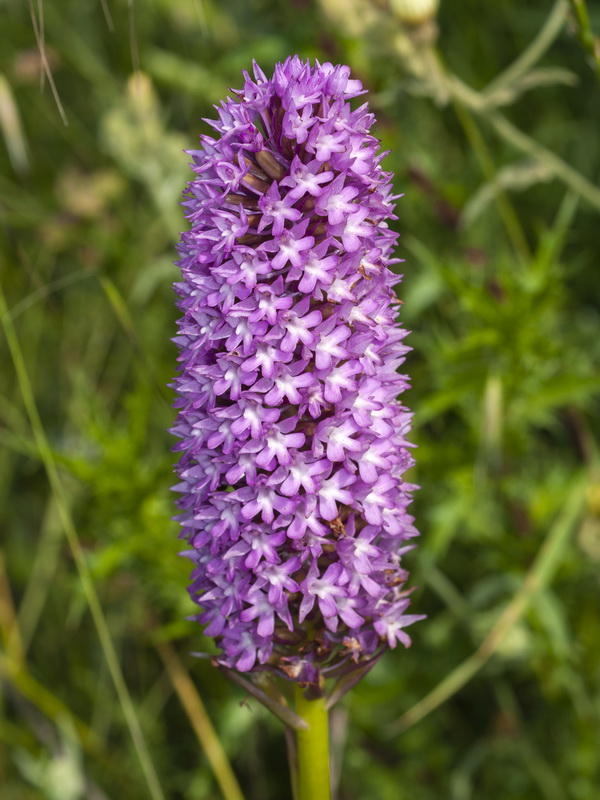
point(492, 122)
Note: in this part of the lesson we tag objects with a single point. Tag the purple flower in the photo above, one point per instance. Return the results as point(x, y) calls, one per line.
point(292, 439)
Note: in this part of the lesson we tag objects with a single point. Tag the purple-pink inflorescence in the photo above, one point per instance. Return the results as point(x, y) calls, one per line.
point(292, 439)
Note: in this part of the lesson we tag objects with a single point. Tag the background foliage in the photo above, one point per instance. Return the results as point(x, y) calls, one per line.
point(493, 127)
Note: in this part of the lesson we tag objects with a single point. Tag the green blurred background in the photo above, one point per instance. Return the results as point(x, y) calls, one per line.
point(492, 118)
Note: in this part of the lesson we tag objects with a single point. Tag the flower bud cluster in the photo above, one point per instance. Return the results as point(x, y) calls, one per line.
point(292, 439)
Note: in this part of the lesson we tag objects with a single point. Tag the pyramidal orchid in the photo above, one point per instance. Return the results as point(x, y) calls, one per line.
point(292, 438)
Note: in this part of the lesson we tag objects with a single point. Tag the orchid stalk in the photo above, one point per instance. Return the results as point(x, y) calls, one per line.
point(292, 438)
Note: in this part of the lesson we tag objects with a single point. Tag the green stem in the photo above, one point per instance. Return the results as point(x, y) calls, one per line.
point(585, 32)
point(313, 749)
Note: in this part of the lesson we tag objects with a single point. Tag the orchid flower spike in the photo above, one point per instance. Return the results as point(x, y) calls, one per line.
point(292, 440)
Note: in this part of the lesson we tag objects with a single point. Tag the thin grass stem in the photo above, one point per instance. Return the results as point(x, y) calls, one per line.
point(200, 722)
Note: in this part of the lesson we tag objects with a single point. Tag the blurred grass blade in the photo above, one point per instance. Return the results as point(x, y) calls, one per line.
point(47, 289)
point(200, 721)
point(9, 628)
point(42, 572)
point(121, 310)
point(538, 577)
point(552, 241)
point(78, 555)
point(39, 37)
point(10, 122)
point(588, 39)
point(119, 306)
